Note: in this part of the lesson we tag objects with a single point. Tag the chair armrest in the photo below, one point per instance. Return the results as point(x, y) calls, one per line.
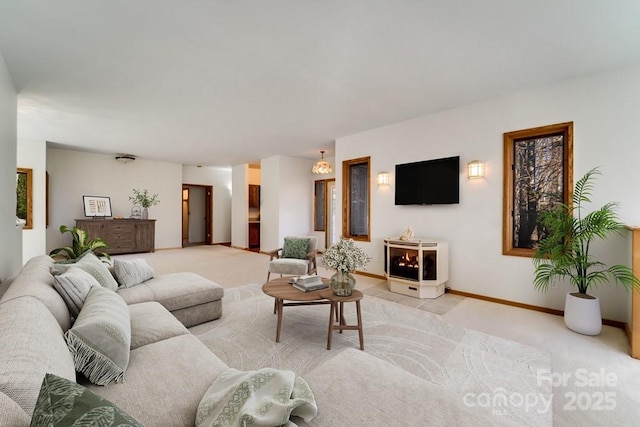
point(274, 253)
point(313, 263)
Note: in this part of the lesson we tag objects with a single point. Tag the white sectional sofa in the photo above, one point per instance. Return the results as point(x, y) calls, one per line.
point(170, 370)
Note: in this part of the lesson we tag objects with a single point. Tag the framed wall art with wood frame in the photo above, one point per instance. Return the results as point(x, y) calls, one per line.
point(538, 175)
point(24, 198)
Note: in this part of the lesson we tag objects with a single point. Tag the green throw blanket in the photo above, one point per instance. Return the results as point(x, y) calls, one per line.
point(267, 397)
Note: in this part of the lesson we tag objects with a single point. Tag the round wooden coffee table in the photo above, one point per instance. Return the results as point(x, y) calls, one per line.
point(281, 290)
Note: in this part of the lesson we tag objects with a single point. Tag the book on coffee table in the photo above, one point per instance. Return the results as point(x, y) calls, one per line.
point(310, 286)
point(308, 279)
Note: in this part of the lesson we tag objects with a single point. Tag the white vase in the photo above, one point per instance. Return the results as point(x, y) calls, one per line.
point(582, 314)
point(145, 213)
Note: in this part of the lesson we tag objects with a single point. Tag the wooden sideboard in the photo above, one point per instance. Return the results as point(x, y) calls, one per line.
point(124, 236)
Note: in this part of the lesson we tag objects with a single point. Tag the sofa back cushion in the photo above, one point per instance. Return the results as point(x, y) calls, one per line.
point(32, 344)
point(35, 279)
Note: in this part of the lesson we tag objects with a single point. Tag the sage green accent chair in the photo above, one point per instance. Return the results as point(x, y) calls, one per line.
point(288, 260)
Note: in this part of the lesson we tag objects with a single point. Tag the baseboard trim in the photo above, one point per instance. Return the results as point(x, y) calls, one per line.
point(367, 274)
point(608, 322)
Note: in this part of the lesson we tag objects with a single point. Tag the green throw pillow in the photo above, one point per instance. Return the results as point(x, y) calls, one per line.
point(295, 247)
point(64, 403)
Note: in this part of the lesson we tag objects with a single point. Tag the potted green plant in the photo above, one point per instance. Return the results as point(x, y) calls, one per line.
point(142, 198)
point(80, 245)
point(565, 252)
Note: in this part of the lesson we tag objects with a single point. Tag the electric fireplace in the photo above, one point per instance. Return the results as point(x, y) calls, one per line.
point(417, 267)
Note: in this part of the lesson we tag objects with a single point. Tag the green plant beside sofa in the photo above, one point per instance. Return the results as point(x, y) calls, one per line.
point(80, 245)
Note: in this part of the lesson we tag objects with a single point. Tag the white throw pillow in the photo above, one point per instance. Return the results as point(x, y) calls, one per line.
point(100, 339)
point(132, 272)
point(73, 286)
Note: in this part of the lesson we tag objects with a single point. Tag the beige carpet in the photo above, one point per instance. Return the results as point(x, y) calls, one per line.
point(450, 357)
point(572, 354)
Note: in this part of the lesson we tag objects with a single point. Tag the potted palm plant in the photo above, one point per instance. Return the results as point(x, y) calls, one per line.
point(564, 252)
point(80, 244)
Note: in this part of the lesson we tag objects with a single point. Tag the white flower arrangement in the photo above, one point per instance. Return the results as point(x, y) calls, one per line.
point(345, 256)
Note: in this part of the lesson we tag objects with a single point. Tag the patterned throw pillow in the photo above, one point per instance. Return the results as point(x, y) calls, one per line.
point(73, 286)
point(90, 263)
point(132, 272)
point(295, 247)
point(64, 403)
point(100, 338)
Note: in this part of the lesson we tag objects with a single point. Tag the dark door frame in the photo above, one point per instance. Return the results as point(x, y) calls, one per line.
point(208, 211)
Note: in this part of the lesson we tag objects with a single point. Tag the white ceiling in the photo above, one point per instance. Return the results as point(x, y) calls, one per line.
point(232, 81)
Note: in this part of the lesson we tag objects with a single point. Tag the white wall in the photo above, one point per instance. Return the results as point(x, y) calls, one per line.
point(605, 110)
point(220, 179)
point(240, 206)
point(269, 203)
point(33, 155)
point(286, 200)
point(11, 248)
point(73, 174)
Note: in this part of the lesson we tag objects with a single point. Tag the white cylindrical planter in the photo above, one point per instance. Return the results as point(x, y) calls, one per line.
point(582, 314)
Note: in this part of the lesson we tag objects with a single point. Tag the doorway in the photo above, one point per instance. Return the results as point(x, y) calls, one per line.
point(196, 214)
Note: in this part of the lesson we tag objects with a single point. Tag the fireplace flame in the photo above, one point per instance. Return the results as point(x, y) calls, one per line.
point(408, 261)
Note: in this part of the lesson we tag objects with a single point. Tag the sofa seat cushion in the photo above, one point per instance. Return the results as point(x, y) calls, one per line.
point(174, 291)
point(340, 383)
point(151, 322)
point(31, 345)
point(165, 381)
point(35, 279)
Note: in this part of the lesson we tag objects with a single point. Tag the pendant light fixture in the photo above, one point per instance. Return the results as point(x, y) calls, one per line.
point(321, 166)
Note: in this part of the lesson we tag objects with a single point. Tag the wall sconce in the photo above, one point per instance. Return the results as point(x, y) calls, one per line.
point(475, 169)
point(383, 179)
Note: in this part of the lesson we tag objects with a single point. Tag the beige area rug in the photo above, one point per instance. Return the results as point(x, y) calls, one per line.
point(440, 305)
point(493, 374)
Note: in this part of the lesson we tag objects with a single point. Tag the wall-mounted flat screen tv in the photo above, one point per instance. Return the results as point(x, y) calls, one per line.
point(429, 182)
